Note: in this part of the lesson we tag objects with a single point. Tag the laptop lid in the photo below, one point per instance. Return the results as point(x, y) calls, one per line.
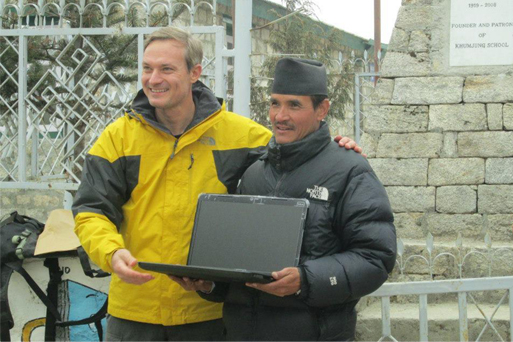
point(242, 238)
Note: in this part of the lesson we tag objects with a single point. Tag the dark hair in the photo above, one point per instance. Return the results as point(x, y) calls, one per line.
point(317, 100)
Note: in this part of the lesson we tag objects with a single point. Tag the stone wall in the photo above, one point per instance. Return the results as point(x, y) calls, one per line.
point(34, 203)
point(441, 138)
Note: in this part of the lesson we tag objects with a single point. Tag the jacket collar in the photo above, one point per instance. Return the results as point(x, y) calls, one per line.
point(205, 102)
point(287, 157)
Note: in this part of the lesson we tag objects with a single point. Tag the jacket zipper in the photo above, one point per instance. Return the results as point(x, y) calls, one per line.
point(174, 149)
point(279, 182)
point(279, 170)
point(192, 162)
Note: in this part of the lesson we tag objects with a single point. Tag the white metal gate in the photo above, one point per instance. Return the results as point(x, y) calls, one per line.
point(46, 129)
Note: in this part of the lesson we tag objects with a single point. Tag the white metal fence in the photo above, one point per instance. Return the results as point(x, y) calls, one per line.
point(47, 125)
point(46, 128)
point(464, 288)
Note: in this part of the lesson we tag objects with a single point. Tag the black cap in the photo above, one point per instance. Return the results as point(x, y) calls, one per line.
point(294, 76)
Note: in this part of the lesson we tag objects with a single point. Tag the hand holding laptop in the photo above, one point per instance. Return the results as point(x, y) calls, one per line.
point(193, 284)
point(288, 282)
point(123, 263)
point(239, 238)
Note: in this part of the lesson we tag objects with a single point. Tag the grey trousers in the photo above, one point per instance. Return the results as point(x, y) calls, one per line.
point(124, 330)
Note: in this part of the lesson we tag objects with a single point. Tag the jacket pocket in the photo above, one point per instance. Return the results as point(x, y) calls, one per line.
point(337, 324)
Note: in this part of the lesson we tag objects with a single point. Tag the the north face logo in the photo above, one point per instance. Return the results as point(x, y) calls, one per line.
point(207, 141)
point(319, 192)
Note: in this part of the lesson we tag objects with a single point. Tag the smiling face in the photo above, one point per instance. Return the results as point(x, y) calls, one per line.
point(293, 117)
point(166, 80)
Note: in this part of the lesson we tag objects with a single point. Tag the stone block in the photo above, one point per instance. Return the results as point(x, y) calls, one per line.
point(44, 201)
point(401, 171)
point(456, 200)
point(499, 171)
point(491, 88)
point(39, 214)
point(411, 199)
point(409, 225)
point(6, 201)
point(369, 145)
point(428, 90)
point(499, 227)
point(450, 148)
point(412, 145)
point(415, 18)
point(440, 35)
point(34, 203)
point(23, 200)
point(485, 144)
point(508, 116)
point(396, 119)
point(457, 117)
point(446, 226)
point(456, 171)
point(420, 41)
point(401, 64)
point(399, 41)
point(494, 114)
point(383, 92)
point(495, 199)
point(4, 212)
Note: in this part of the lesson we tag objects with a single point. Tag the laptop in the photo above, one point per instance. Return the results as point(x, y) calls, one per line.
point(240, 238)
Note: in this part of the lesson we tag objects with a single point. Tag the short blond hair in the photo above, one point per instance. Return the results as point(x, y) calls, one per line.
point(193, 46)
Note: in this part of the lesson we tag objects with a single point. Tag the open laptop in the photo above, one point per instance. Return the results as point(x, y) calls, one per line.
point(239, 238)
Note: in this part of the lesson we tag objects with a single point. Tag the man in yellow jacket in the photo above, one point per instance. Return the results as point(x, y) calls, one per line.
point(140, 184)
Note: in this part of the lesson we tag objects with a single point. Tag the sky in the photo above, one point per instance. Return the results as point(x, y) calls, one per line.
point(357, 16)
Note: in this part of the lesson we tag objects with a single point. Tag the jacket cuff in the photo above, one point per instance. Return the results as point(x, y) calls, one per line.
point(218, 293)
point(304, 288)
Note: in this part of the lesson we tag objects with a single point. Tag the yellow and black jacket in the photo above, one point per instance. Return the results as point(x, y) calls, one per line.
point(139, 190)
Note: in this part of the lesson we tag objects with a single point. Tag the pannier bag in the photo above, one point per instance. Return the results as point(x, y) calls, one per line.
point(18, 239)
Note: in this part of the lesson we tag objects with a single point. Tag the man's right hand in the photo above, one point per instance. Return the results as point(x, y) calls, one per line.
point(123, 263)
point(189, 284)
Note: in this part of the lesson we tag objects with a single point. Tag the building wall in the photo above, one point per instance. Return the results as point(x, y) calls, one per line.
point(439, 137)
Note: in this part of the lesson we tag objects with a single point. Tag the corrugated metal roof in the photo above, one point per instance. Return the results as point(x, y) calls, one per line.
point(263, 9)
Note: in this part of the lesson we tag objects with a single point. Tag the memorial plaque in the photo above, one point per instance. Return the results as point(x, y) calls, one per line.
point(481, 32)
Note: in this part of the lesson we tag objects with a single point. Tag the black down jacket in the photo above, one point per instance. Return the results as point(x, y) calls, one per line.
point(349, 243)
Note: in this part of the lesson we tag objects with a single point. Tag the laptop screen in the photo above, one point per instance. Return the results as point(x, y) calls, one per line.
point(247, 232)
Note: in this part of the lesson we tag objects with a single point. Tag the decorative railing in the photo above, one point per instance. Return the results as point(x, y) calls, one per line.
point(464, 289)
point(49, 122)
point(479, 275)
point(53, 14)
point(459, 257)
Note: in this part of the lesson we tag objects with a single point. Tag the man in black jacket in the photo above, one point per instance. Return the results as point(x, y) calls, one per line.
point(349, 244)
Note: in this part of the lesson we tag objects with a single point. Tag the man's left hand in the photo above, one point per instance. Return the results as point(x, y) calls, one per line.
point(287, 282)
point(349, 144)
